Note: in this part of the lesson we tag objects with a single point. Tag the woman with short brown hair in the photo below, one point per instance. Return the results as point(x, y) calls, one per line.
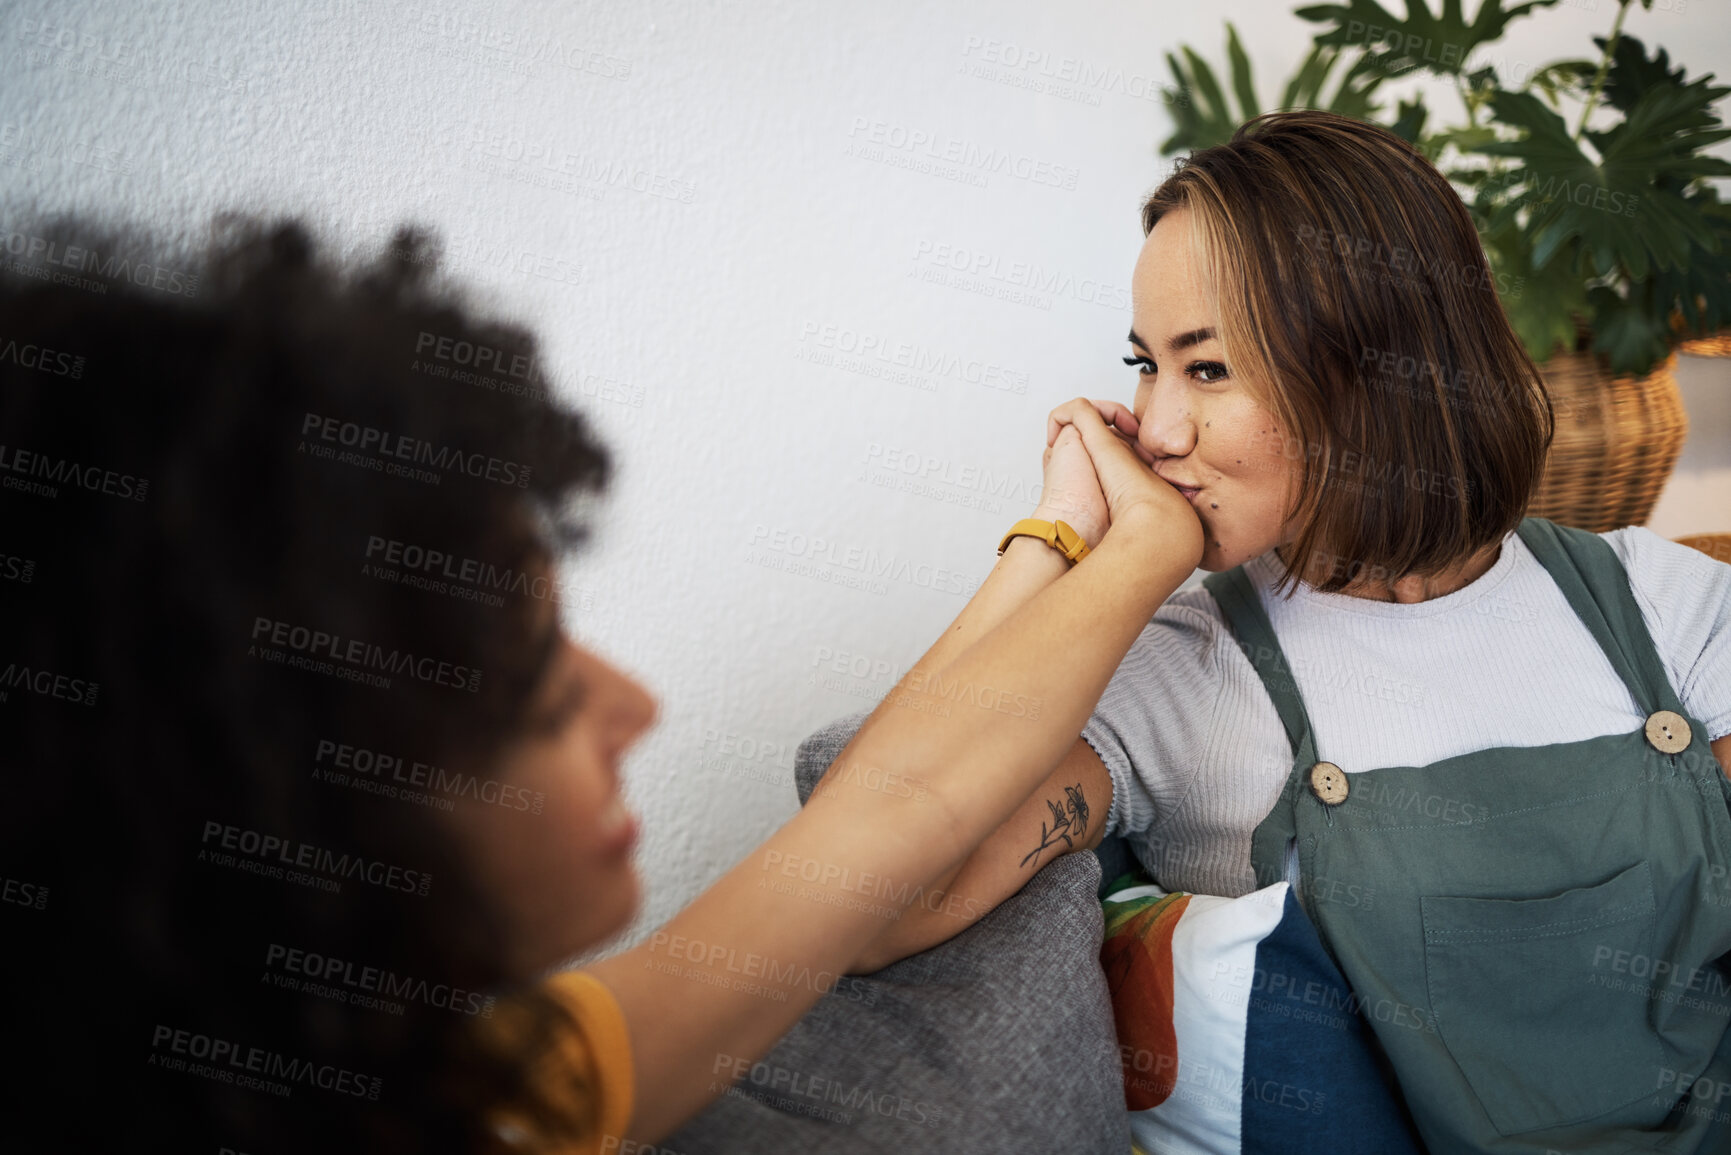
point(1327, 377)
point(1355, 305)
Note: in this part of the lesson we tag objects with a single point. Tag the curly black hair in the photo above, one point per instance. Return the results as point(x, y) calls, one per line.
point(277, 539)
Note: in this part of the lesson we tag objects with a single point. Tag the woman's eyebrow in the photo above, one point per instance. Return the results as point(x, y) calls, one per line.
point(1182, 341)
point(1193, 337)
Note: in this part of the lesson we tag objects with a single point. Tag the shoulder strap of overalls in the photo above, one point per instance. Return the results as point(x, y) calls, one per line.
point(1587, 570)
point(1242, 607)
point(1238, 601)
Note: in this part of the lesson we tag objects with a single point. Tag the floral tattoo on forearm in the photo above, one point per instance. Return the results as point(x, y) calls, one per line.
point(1069, 822)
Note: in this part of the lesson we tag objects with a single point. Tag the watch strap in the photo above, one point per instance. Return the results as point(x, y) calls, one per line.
point(1057, 534)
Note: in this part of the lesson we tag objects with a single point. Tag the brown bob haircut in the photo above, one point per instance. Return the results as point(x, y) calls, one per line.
point(1354, 299)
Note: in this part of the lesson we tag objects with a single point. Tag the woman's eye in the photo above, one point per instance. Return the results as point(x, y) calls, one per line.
point(1207, 372)
point(1142, 365)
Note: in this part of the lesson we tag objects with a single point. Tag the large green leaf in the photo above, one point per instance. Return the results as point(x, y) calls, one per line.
point(1563, 78)
point(1306, 83)
point(1633, 73)
point(1409, 125)
point(1625, 207)
point(1209, 89)
point(1701, 289)
point(1667, 132)
point(1543, 304)
point(1202, 116)
point(1355, 96)
point(1628, 330)
point(1242, 85)
point(1421, 40)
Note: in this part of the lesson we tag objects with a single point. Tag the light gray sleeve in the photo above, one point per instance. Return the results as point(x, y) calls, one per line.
point(1152, 724)
point(1685, 599)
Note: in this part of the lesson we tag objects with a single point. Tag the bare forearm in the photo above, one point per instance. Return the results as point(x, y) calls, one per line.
point(983, 729)
point(1064, 814)
point(1027, 566)
point(736, 968)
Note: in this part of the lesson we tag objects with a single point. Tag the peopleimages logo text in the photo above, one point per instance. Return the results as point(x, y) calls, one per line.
point(366, 439)
point(86, 260)
point(358, 653)
point(49, 471)
point(231, 1062)
point(292, 853)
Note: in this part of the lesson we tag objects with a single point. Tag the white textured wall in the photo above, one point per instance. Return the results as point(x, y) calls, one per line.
point(698, 305)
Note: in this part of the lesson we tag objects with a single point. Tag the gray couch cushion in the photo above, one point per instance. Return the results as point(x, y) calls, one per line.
point(995, 1042)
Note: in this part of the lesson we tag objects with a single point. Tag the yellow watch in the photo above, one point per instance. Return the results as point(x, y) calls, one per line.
point(1056, 534)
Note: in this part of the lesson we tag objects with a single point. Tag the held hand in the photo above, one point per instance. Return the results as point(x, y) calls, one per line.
point(1070, 492)
point(1122, 471)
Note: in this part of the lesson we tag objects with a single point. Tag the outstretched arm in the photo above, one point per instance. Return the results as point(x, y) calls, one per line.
point(726, 977)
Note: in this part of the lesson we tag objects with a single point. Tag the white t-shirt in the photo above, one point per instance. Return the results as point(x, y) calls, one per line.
point(1197, 753)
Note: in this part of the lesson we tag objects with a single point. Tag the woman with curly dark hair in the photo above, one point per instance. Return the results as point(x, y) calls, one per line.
point(306, 787)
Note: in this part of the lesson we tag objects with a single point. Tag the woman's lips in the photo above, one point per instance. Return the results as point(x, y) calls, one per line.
point(1189, 491)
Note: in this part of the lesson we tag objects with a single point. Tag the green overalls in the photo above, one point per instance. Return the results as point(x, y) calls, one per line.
point(1533, 933)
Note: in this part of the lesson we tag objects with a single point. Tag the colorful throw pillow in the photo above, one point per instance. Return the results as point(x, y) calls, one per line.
point(1238, 1034)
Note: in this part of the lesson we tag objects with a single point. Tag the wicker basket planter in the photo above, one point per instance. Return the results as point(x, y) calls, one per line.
point(1718, 345)
point(1617, 440)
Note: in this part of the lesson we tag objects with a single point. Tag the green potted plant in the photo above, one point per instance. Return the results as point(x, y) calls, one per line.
point(1610, 245)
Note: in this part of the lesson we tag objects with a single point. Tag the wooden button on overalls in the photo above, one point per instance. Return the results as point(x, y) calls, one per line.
point(1328, 783)
point(1668, 732)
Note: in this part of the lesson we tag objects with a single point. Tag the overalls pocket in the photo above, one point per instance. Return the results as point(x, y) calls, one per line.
point(1544, 1033)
